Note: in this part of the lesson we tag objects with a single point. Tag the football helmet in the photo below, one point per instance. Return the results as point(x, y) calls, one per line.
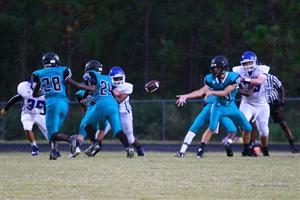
point(249, 61)
point(93, 65)
point(50, 59)
point(117, 75)
point(219, 61)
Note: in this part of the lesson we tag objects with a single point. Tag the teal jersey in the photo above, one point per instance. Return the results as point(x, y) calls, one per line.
point(102, 96)
point(217, 85)
point(52, 81)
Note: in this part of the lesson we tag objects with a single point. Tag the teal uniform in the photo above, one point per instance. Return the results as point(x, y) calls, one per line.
point(80, 96)
point(101, 104)
point(53, 86)
point(203, 118)
point(225, 106)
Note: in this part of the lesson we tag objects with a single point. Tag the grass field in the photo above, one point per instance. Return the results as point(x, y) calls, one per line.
point(110, 175)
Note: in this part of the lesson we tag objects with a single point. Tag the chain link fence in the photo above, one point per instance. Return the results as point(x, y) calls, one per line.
point(155, 120)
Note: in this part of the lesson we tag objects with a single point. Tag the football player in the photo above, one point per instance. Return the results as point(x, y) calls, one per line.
point(33, 112)
point(255, 107)
point(52, 79)
point(101, 106)
point(222, 84)
point(201, 119)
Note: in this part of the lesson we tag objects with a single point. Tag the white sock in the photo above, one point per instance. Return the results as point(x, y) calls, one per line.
point(33, 143)
point(183, 148)
point(187, 141)
point(189, 137)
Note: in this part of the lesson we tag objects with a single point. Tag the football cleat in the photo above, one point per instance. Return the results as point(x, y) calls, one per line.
point(140, 151)
point(53, 155)
point(130, 152)
point(199, 153)
point(35, 150)
point(92, 150)
point(228, 149)
point(265, 151)
point(180, 155)
point(248, 152)
point(76, 153)
point(73, 144)
point(294, 150)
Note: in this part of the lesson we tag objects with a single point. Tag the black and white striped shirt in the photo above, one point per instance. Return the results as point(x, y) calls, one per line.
point(272, 85)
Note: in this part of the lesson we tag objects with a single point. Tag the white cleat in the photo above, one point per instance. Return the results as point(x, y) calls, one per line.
point(76, 153)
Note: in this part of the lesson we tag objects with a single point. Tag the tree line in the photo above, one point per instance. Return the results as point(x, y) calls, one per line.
point(171, 40)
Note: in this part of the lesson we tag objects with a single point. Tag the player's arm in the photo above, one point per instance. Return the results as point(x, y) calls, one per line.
point(36, 89)
point(254, 81)
point(120, 97)
point(81, 86)
point(195, 94)
point(73, 83)
point(281, 94)
point(221, 93)
point(11, 102)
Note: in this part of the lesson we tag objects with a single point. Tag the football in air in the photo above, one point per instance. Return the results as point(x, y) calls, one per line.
point(151, 86)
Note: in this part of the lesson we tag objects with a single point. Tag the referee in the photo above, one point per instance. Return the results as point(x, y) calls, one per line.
point(276, 97)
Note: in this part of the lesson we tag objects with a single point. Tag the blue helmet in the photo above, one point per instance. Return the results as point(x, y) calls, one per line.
point(93, 65)
point(50, 59)
point(117, 75)
point(249, 61)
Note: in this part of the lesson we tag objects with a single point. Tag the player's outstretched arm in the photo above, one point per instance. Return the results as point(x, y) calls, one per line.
point(221, 93)
point(81, 86)
point(195, 94)
point(10, 102)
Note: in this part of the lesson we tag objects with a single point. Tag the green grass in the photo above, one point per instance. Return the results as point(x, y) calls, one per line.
point(110, 175)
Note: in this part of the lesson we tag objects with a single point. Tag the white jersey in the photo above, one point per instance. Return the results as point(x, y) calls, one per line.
point(125, 112)
point(259, 93)
point(125, 88)
point(32, 105)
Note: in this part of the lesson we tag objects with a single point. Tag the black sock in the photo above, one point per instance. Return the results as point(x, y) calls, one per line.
point(123, 138)
point(291, 142)
point(98, 142)
point(246, 146)
point(202, 145)
point(136, 145)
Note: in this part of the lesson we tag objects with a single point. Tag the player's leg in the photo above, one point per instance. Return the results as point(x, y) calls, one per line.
point(262, 123)
point(27, 122)
point(277, 114)
point(250, 113)
point(238, 117)
point(216, 112)
point(96, 145)
point(204, 140)
point(87, 128)
point(116, 128)
point(56, 113)
point(231, 131)
point(198, 123)
point(127, 126)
